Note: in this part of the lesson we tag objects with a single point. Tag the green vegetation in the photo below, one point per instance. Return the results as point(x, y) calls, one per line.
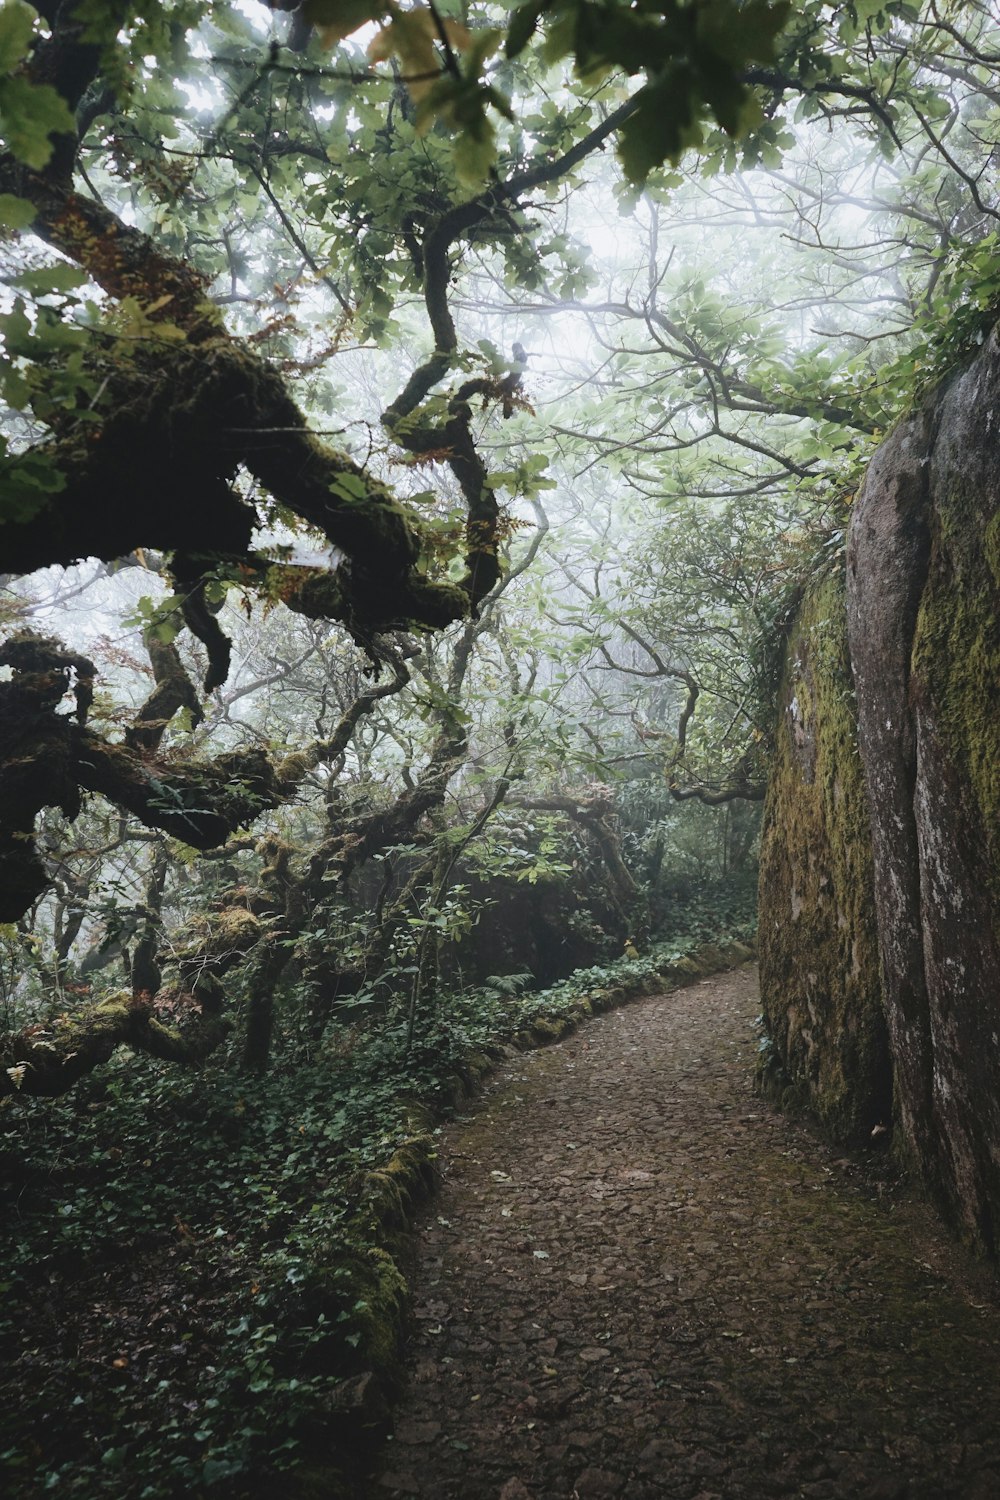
point(826, 1047)
point(225, 1248)
point(402, 524)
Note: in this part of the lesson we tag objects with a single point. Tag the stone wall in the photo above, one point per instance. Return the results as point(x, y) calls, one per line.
point(924, 628)
point(818, 942)
point(923, 625)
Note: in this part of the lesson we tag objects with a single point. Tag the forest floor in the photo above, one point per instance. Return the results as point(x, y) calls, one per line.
point(639, 1280)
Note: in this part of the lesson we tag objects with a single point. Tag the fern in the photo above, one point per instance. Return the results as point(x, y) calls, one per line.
point(508, 985)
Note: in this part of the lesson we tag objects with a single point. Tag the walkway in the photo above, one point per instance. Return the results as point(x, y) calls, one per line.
point(638, 1280)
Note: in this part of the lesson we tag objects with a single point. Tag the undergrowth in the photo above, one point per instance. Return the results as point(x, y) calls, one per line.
point(188, 1260)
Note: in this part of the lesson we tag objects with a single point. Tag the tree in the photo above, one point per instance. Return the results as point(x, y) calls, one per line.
point(161, 353)
point(155, 395)
point(439, 563)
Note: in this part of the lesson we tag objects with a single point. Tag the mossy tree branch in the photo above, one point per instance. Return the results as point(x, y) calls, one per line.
point(47, 1059)
point(46, 759)
point(595, 814)
point(172, 691)
point(452, 439)
point(179, 423)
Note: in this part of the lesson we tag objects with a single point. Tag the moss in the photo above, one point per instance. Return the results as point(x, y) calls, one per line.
point(956, 663)
point(991, 547)
point(232, 927)
point(211, 944)
point(712, 958)
point(381, 1316)
point(175, 423)
point(548, 1029)
point(479, 1064)
point(684, 969)
point(736, 953)
point(358, 1291)
point(49, 1061)
point(820, 971)
point(392, 1191)
point(199, 802)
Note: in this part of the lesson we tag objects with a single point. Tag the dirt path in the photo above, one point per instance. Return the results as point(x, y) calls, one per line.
point(639, 1281)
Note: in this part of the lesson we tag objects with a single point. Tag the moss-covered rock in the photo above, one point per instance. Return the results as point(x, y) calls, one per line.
point(395, 1189)
point(827, 1047)
point(924, 608)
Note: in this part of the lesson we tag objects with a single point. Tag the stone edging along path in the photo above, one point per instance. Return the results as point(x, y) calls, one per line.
point(639, 1280)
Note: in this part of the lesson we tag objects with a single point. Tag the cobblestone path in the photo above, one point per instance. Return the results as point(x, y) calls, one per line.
point(638, 1280)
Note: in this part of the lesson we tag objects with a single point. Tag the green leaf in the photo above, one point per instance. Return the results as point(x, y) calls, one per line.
point(484, 44)
point(18, 334)
point(475, 153)
point(866, 10)
point(166, 630)
point(728, 98)
point(738, 35)
point(17, 24)
point(26, 481)
point(215, 1469)
point(523, 25)
point(29, 114)
point(661, 128)
point(16, 390)
point(59, 278)
point(15, 213)
point(349, 487)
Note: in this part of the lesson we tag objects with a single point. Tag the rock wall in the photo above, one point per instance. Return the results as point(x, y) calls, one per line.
point(923, 627)
point(924, 630)
point(818, 943)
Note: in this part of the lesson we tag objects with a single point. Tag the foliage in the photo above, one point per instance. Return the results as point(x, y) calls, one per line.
point(475, 498)
point(692, 56)
point(227, 1199)
point(31, 113)
point(193, 1226)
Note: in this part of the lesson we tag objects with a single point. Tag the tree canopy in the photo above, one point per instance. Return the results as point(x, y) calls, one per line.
point(214, 209)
